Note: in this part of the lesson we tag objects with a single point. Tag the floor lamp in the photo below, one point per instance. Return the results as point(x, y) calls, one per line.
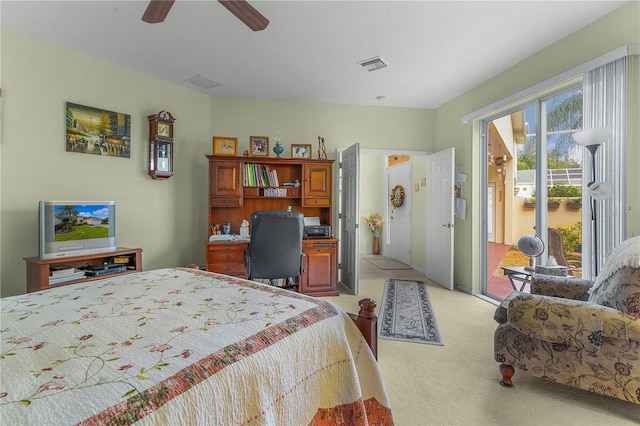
point(592, 139)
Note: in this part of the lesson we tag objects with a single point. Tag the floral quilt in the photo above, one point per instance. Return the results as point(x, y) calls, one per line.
point(181, 346)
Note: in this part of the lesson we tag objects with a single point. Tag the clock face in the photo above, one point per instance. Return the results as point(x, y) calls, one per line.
point(163, 129)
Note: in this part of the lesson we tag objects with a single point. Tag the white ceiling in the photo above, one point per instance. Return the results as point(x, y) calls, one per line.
point(435, 50)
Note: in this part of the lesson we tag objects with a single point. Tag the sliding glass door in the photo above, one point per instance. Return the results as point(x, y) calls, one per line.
point(533, 176)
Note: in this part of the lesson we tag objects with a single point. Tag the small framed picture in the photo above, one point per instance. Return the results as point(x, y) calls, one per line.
point(300, 150)
point(259, 146)
point(224, 146)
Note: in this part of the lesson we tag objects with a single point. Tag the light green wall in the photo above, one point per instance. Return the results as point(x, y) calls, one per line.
point(372, 196)
point(612, 31)
point(168, 218)
point(340, 125)
point(159, 216)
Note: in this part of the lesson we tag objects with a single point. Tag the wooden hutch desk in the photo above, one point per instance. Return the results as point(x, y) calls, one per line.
point(234, 195)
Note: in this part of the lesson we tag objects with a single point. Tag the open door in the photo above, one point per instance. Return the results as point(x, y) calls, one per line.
point(439, 217)
point(349, 217)
point(398, 232)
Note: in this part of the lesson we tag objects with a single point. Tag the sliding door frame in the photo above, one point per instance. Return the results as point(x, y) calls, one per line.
point(541, 170)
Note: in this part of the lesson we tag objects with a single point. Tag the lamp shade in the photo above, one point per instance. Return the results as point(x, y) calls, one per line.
point(600, 190)
point(592, 136)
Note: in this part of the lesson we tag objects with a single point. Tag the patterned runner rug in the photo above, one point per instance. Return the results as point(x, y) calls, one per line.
point(406, 313)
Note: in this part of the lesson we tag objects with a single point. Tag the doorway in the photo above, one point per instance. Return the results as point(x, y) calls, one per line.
point(533, 185)
point(372, 196)
point(398, 213)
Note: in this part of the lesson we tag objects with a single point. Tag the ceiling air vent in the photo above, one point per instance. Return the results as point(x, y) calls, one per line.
point(373, 64)
point(204, 82)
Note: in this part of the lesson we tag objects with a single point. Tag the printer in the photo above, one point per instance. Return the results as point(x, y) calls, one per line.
point(314, 230)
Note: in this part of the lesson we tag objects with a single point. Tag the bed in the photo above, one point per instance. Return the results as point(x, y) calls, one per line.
point(183, 346)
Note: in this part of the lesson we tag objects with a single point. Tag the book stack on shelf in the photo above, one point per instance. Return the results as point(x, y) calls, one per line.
point(62, 273)
point(259, 175)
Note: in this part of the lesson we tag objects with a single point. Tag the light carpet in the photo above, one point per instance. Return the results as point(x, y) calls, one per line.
point(385, 263)
point(458, 384)
point(406, 313)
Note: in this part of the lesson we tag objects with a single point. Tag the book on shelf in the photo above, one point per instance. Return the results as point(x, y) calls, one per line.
point(60, 270)
point(259, 175)
point(77, 274)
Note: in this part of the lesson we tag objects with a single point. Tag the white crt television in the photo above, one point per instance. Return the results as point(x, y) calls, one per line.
point(75, 228)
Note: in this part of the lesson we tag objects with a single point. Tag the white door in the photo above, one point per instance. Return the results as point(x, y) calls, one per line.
point(399, 218)
point(440, 194)
point(349, 218)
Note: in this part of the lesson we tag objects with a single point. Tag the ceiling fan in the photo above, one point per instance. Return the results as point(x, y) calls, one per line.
point(157, 11)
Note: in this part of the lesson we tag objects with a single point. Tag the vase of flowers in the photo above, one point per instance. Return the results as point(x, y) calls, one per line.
point(374, 224)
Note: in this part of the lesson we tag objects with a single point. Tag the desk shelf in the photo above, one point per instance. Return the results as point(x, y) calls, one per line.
point(320, 264)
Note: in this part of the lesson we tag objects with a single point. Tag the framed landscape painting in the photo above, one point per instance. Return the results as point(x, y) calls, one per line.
point(97, 131)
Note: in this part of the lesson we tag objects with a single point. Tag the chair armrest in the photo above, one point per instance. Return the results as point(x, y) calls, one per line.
point(570, 322)
point(564, 287)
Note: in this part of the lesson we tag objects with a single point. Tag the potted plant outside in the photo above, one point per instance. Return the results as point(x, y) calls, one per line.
point(574, 203)
point(553, 203)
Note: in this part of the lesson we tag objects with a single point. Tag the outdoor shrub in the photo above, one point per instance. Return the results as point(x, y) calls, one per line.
point(572, 236)
point(564, 191)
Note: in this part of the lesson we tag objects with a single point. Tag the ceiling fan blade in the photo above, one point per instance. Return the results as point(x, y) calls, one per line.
point(246, 13)
point(157, 11)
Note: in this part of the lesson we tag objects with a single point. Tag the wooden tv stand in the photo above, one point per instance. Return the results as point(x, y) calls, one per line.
point(38, 269)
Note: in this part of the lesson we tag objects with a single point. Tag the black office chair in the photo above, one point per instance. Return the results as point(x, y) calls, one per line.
point(275, 248)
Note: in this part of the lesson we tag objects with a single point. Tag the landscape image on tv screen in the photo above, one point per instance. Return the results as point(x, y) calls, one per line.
point(79, 222)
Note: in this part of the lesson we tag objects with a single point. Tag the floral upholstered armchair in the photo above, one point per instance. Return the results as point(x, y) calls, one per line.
point(577, 332)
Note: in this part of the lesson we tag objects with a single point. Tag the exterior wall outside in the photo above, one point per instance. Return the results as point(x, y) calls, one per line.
point(526, 220)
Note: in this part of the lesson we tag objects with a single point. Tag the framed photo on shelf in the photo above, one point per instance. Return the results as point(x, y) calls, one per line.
point(259, 146)
point(224, 146)
point(300, 150)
